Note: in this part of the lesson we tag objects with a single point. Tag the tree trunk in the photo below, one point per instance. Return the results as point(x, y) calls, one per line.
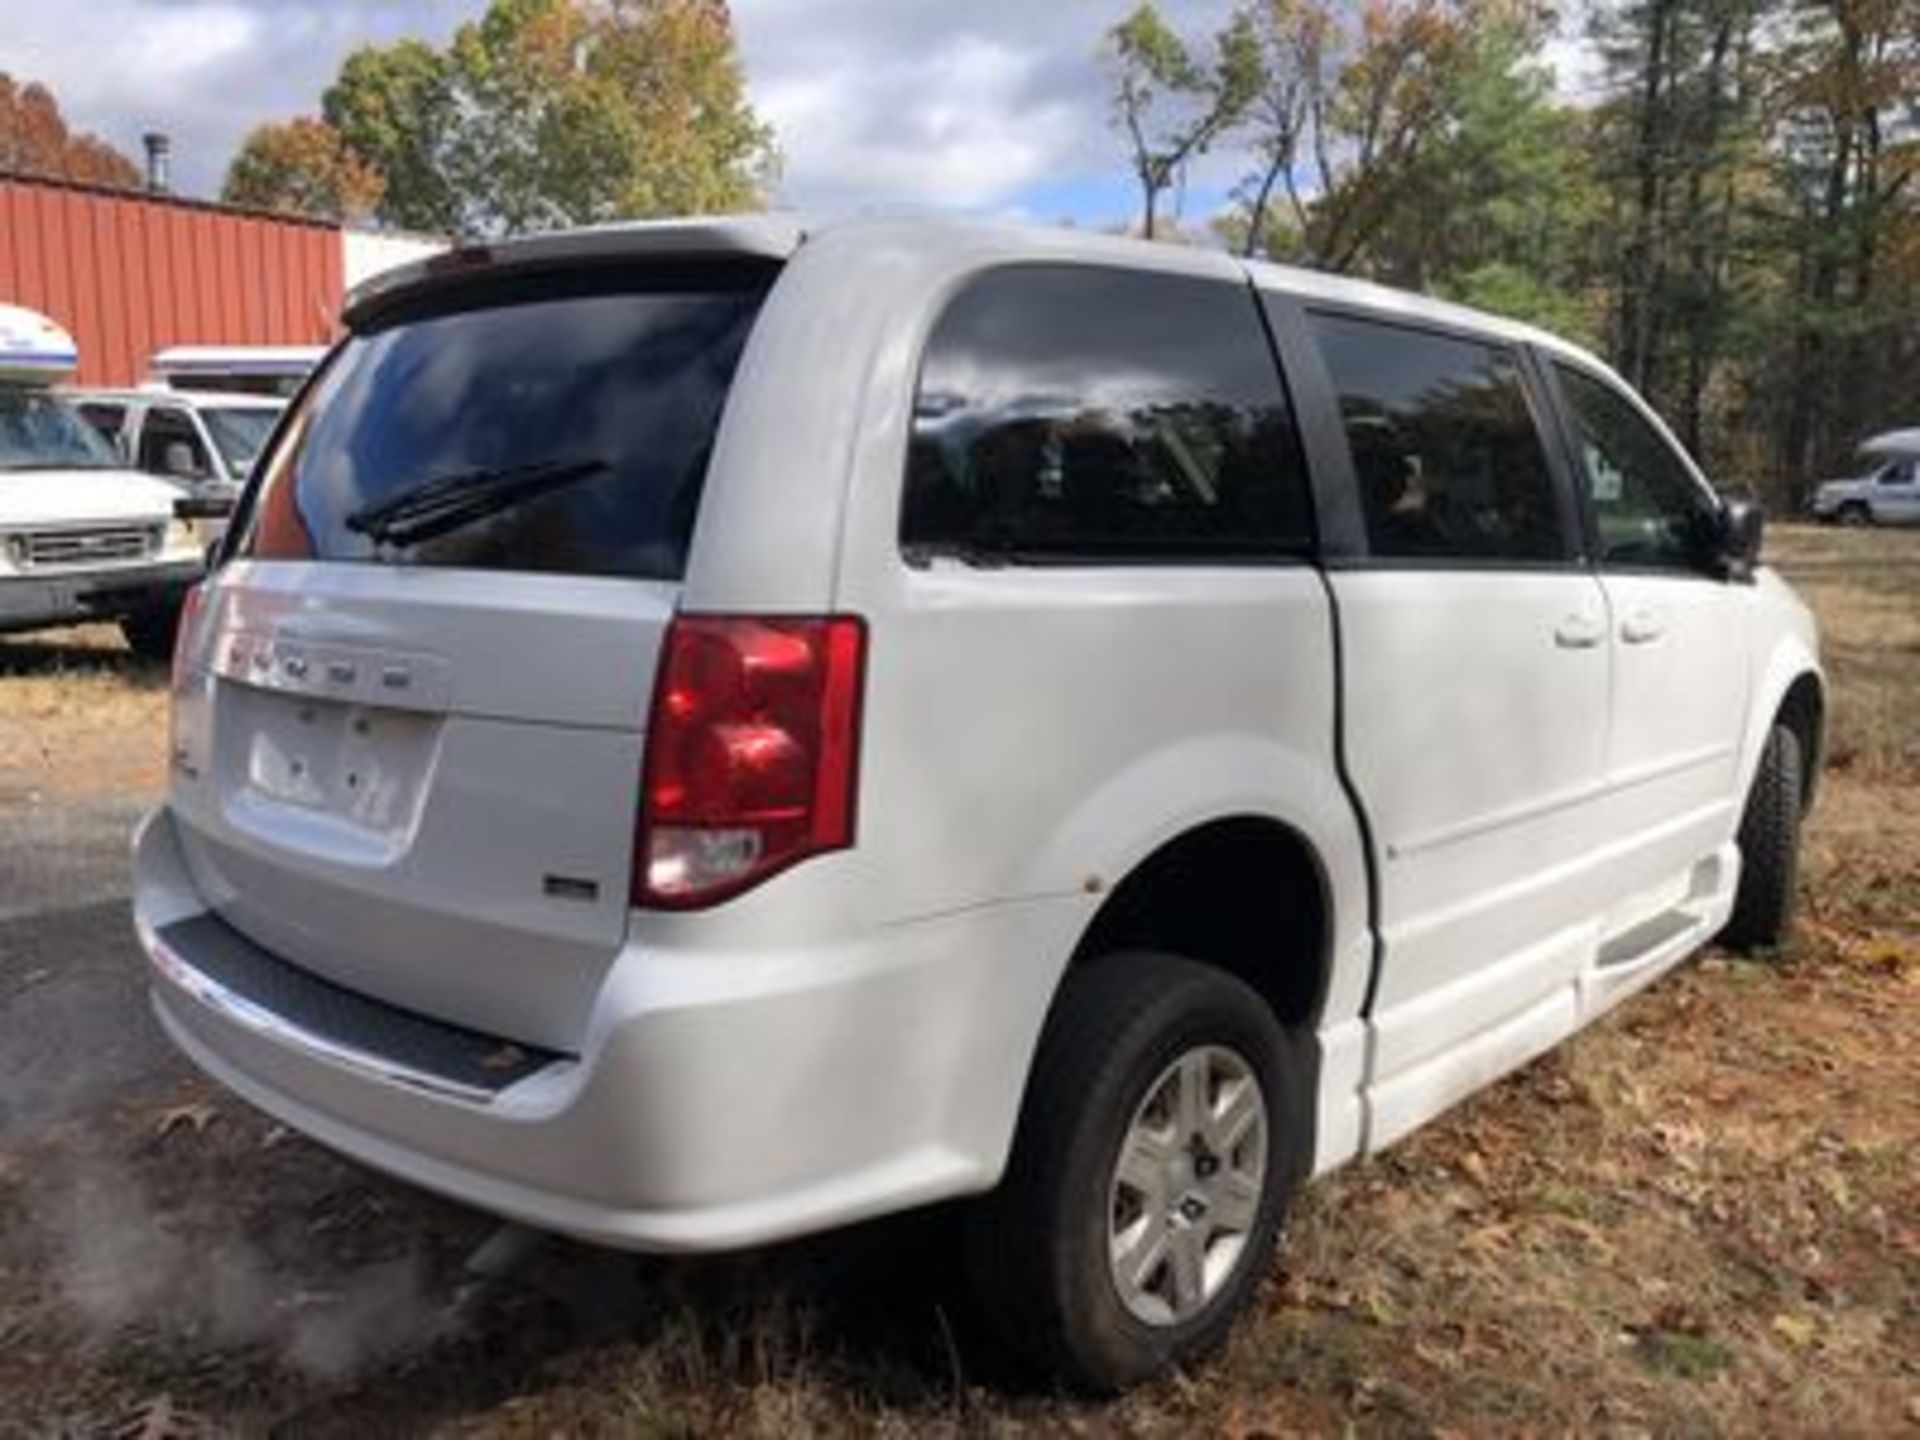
point(1812, 384)
point(1639, 273)
point(1257, 216)
point(1706, 241)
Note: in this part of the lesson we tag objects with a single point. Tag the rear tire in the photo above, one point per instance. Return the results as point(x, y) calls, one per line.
point(1133, 1225)
point(150, 633)
point(1769, 848)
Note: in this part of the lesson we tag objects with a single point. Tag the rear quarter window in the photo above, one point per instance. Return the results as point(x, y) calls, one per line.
point(1075, 414)
point(613, 382)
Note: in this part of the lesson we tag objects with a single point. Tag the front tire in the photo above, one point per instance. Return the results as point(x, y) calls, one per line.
point(1156, 1148)
point(1769, 848)
point(1854, 513)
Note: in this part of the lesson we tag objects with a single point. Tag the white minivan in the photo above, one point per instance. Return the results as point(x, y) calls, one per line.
point(704, 732)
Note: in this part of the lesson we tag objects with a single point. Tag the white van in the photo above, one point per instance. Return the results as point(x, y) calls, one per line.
point(204, 441)
point(705, 732)
point(277, 370)
point(82, 537)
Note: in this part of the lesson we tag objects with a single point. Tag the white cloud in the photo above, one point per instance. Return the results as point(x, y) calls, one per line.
point(204, 71)
point(952, 128)
point(169, 54)
point(996, 106)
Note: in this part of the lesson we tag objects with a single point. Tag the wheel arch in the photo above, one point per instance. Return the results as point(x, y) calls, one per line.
point(1209, 797)
point(1245, 893)
point(1251, 895)
point(1803, 710)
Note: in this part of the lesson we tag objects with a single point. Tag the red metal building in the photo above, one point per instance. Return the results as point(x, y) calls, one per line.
point(127, 272)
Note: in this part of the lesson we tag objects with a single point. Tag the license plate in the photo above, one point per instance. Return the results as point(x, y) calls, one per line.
point(361, 763)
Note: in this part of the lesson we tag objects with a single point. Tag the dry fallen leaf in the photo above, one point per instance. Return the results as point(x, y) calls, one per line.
point(196, 1116)
point(1796, 1330)
point(1474, 1167)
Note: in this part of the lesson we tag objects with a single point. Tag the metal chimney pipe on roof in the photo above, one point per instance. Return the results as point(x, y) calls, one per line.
point(159, 147)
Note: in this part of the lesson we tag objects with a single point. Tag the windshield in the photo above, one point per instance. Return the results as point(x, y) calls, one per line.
point(238, 434)
point(40, 431)
point(557, 423)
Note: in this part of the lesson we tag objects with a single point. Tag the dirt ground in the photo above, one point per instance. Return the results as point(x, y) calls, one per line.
point(1700, 1217)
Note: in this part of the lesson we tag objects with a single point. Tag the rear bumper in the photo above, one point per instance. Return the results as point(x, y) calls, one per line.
point(722, 1099)
point(29, 602)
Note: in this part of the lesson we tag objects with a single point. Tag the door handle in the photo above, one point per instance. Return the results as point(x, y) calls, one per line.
point(1579, 632)
point(1641, 627)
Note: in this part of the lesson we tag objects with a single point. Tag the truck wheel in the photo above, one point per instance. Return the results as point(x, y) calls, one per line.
point(1854, 513)
point(1769, 848)
point(1149, 1174)
point(149, 633)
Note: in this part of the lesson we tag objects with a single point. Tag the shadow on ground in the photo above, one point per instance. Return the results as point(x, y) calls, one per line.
point(69, 652)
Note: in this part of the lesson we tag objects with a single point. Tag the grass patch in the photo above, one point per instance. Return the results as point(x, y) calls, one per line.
point(1689, 1357)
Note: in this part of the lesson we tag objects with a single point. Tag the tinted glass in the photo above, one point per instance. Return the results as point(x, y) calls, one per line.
point(1445, 449)
point(239, 433)
point(1068, 412)
point(165, 428)
point(613, 383)
point(1647, 507)
point(41, 432)
point(107, 419)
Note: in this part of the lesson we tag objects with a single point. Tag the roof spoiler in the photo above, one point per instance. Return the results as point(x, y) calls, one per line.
point(765, 237)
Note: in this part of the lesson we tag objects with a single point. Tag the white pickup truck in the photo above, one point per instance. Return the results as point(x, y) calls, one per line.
point(82, 537)
point(1886, 492)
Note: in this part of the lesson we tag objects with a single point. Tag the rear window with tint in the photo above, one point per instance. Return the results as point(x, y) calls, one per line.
point(584, 406)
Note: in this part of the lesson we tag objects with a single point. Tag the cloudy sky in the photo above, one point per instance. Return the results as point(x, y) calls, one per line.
point(996, 106)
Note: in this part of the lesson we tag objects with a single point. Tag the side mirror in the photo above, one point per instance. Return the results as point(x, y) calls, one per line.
point(1741, 530)
point(177, 459)
point(202, 506)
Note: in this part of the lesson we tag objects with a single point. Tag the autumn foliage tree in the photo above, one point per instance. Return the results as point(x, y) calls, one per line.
point(35, 140)
point(1760, 161)
point(543, 113)
point(1845, 213)
point(1420, 143)
point(302, 165)
point(1729, 210)
point(1171, 102)
point(395, 107)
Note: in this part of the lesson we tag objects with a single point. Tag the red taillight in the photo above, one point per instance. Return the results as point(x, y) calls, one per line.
point(751, 753)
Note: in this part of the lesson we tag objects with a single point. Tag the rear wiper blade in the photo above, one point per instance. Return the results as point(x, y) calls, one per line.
point(447, 502)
